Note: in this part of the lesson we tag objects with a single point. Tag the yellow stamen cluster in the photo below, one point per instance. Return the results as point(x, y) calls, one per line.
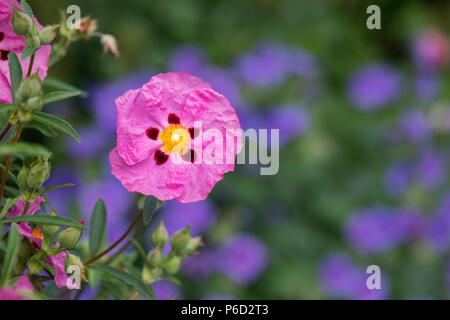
point(37, 233)
point(175, 137)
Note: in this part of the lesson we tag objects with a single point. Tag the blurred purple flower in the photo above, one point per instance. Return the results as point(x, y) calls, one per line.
point(378, 229)
point(397, 178)
point(427, 86)
point(431, 49)
point(437, 232)
point(266, 65)
point(340, 278)
point(374, 86)
point(117, 201)
point(223, 82)
point(303, 64)
point(93, 142)
point(243, 258)
point(291, 120)
point(166, 290)
point(430, 169)
point(414, 126)
point(103, 95)
point(200, 216)
point(187, 59)
point(61, 198)
point(201, 265)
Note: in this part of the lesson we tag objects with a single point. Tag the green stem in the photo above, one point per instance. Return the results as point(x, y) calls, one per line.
point(25, 209)
point(30, 67)
point(115, 244)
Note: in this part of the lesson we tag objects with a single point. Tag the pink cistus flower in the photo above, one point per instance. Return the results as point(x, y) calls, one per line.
point(35, 237)
point(176, 137)
point(20, 291)
point(11, 42)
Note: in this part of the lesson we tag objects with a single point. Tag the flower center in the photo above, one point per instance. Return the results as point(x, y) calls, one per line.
point(37, 233)
point(175, 137)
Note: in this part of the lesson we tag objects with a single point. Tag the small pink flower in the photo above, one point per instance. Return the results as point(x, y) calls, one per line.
point(22, 286)
point(35, 236)
point(162, 138)
point(10, 41)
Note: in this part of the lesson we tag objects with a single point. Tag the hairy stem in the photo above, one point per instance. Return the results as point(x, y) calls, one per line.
point(5, 131)
point(30, 67)
point(115, 244)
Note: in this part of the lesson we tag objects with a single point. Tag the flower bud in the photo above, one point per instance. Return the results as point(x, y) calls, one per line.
point(39, 172)
point(180, 240)
point(29, 87)
point(21, 22)
point(194, 243)
point(26, 249)
point(50, 229)
point(172, 265)
point(35, 104)
point(110, 45)
point(160, 235)
point(48, 34)
point(154, 257)
point(32, 41)
point(22, 178)
point(69, 238)
point(35, 266)
point(73, 260)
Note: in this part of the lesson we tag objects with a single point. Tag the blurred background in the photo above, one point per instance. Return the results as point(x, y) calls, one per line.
point(364, 123)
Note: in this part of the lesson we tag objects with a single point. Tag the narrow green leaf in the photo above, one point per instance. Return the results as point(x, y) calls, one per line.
point(24, 148)
point(8, 107)
point(57, 124)
point(26, 8)
point(97, 227)
point(61, 85)
point(11, 254)
point(139, 248)
point(11, 191)
point(136, 283)
point(42, 128)
point(15, 73)
point(57, 188)
point(10, 174)
point(60, 95)
point(46, 219)
point(150, 207)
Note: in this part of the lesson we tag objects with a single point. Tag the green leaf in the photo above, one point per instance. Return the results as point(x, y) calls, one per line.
point(42, 128)
point(57, 124)
point(11, 254)
point(57, 187)
point(150, 207)
point(139, 248)
point(26, 8)
point(61, 85)
point(12, 191)
point(136, 283)
point(15, 73)
point(97, 226)
point(10, 174)
point(46, 219)
point(60, 95)
point(8, 107)
point(24, 148)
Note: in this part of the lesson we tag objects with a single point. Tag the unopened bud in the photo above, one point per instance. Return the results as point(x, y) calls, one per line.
point(69, 238)
point(154, 257)
point(50, 229)
point(21, 22)
point(194, 243)
point(35, 266)
point(180, 240)
point(48, 34)
point(39, 172)
point(110, 45)
point(160, 235)
point(26, 249)
point(32, 41)
point(29, 88)
point(172, 265)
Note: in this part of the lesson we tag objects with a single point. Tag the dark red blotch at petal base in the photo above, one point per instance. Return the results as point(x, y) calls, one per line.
point(4, 54)
point(152, 133)
point(160, 157)
point(174, 119)
point(193, 132)
point(2, 36)
point(189, 156)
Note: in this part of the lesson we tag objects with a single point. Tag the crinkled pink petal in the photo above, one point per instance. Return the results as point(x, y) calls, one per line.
point(57, 262)
point(138, 110)
point(133, 161)
point(20, 206)
point(16, 43)
point(22, 285)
